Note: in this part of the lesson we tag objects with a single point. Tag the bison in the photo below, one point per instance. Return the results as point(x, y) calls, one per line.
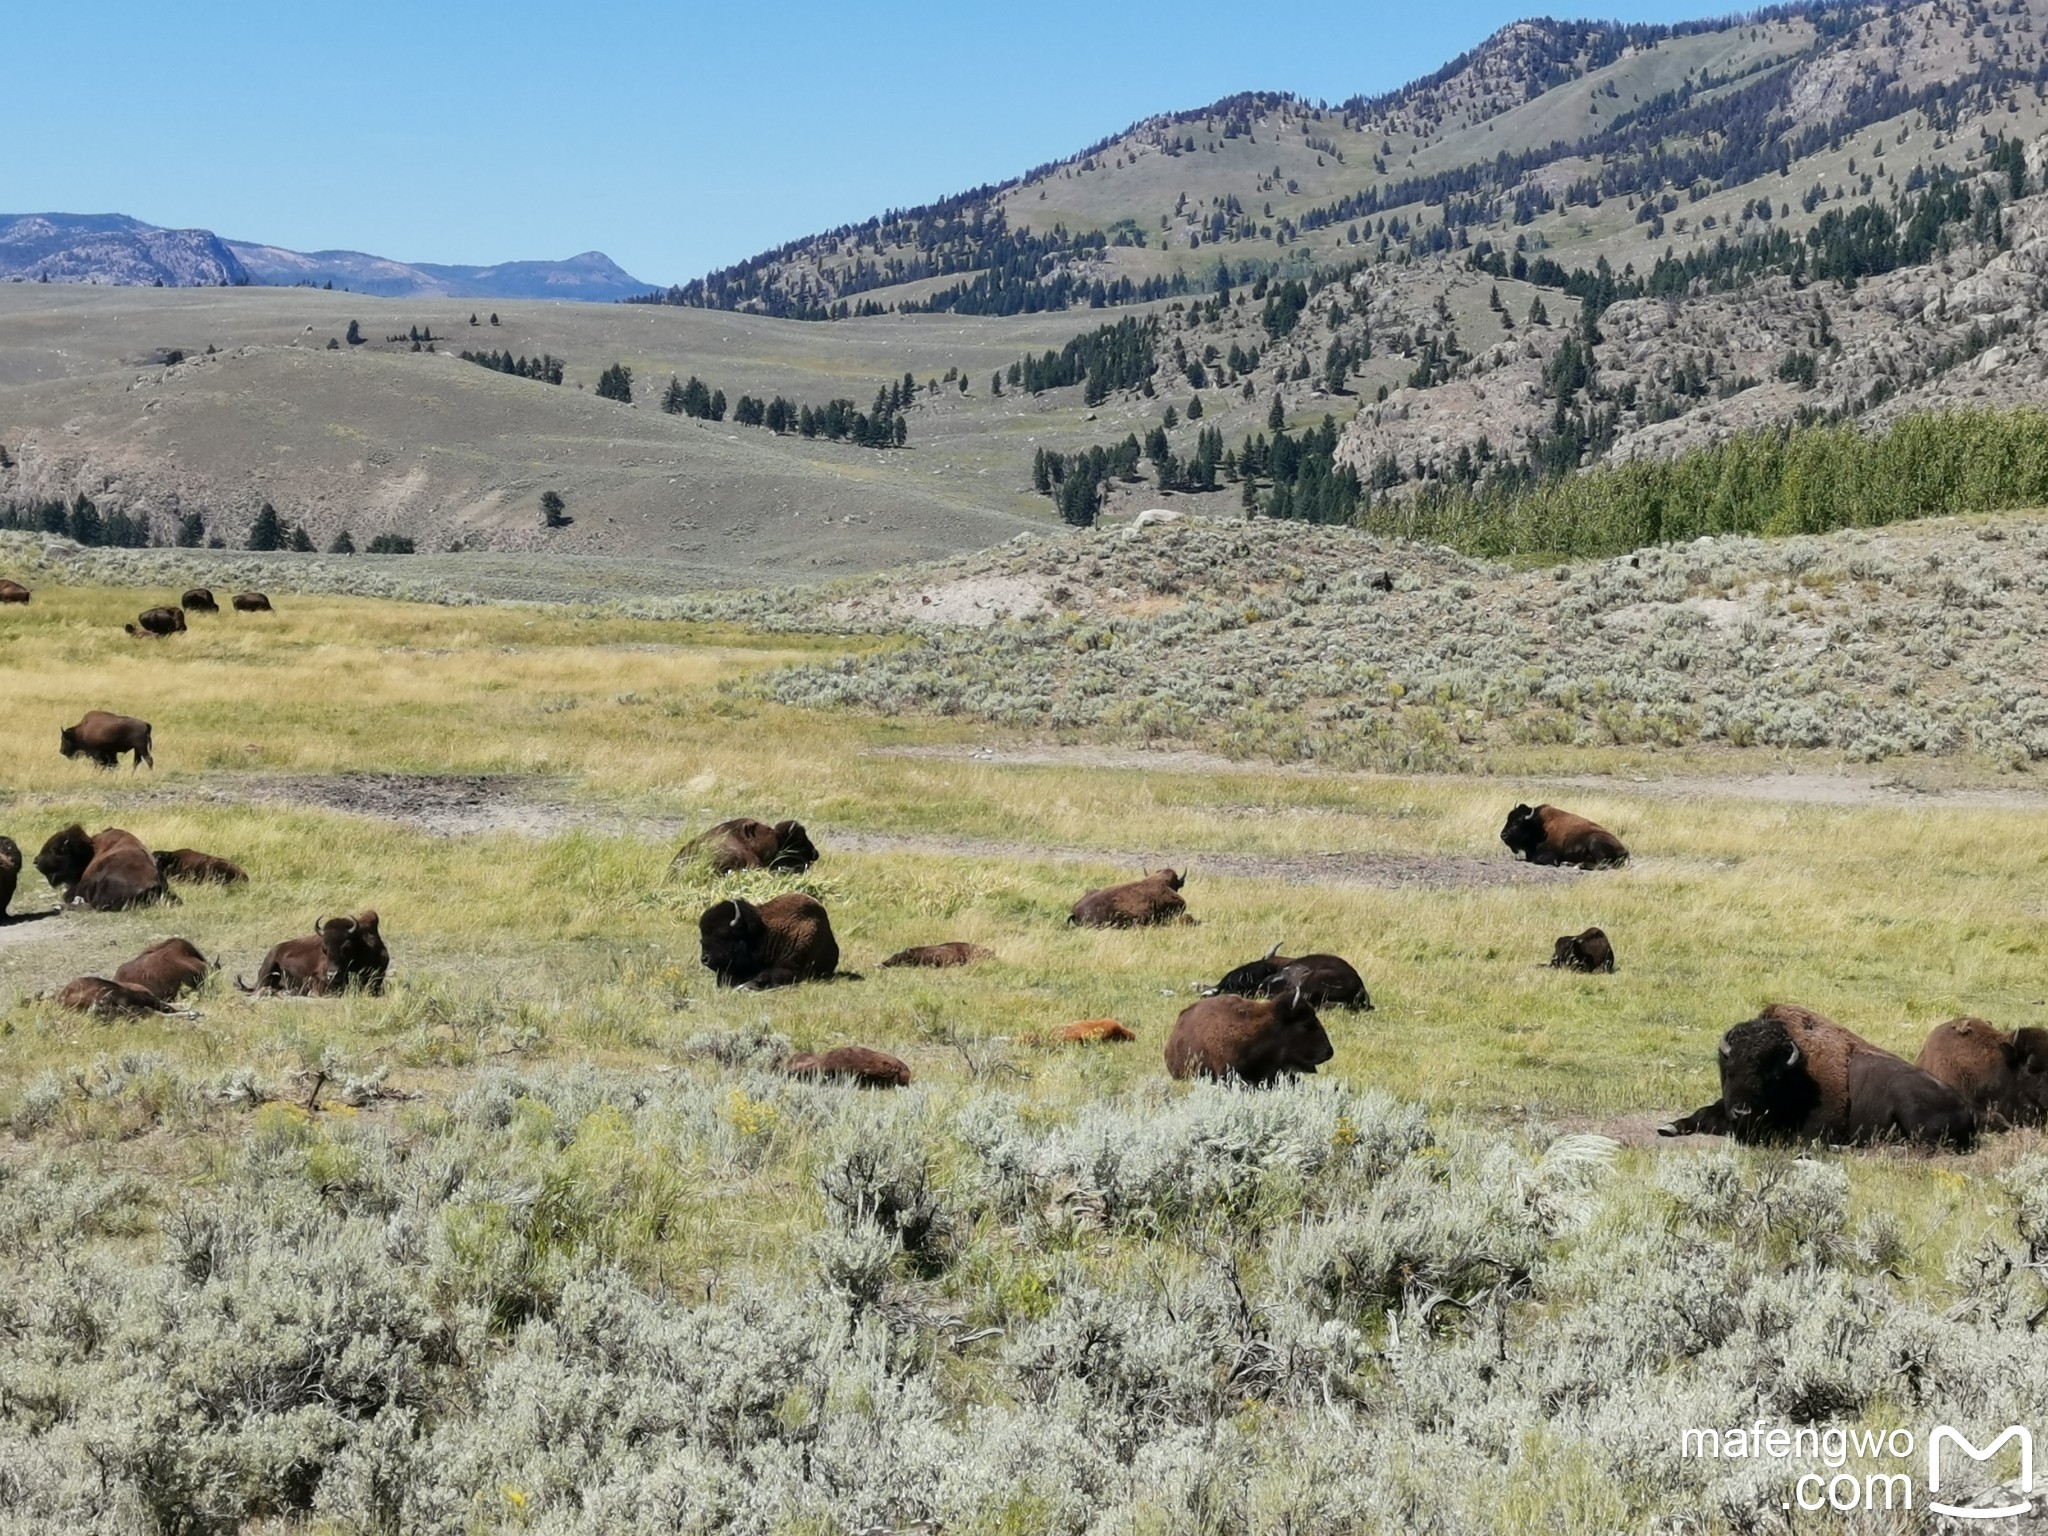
point(939, 956)
point(196, 868)
point(859, 1064)
point(251, 602)
point(1791, 1074)
point(340, 952)
point(96, 994)
point(1322, 980)
point(1999, 1073)
point(165, 969)
point(157, 623)
point(1096, 1032)
point(744, 843)
point(13, 592)
point(1251, 1039)
point(1543, 834)
point(199, 600)
point(10, 872)
point(782, 941)
point(1589, 951)
point(104, 737)
point(106, 872)
point(1140, 904)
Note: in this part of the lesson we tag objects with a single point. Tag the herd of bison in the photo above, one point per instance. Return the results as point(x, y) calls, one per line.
point(1789, 1074)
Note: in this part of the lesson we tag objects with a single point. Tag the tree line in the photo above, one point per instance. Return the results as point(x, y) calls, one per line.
point(882, 425)
point(547, 368)
point(1109, 358)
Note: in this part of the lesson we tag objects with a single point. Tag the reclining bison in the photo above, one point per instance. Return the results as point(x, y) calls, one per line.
point(1324, 981)
point(196, 868)
point(157, 623)
point(199, 600)
point(13, 592)
point(859, 1064)
point(777, 944)
point(2001, 1074)
point(1543, 834)
point(251, 602)
point(1139, 904)
point(97, 995)
point(340, 953)
point(938, 956)
point(1790, 1074)
point(744, 843)
point(1589, 952)
point(165, 969)
point(1247, 1038)
point(104, 737)
point(106, 872)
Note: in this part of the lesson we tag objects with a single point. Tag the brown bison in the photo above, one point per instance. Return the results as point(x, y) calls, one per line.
point(199, 600)
point(10, 872)
point(251, 602)
point(105, 872)
point(1589, 951)
point(2001, 1074)
point(104, 737)
point(13, 592)
point(1095, 1032)
point(1140, 904)
point(939, 956)
point(96, 994)
point(165, 969)
point(859, 1064)
point(340, 952)
point(1791, 1074)
point(1247, 1038)
point(158, 622)
point(1543, 834)
point(196, 868)
point(744, 843)
point(1323, 981)
point(782, 941)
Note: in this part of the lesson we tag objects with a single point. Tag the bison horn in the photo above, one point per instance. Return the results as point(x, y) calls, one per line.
point(735, 914)
point(1792, 1057)
point(1727, 1049)
point(1273, 951)
point(320, 925)
point(1297, 999)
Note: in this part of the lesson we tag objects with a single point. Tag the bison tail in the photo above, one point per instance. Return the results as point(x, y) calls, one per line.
point(847, 976)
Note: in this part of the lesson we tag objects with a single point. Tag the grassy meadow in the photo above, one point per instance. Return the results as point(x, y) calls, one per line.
point(556, 1248)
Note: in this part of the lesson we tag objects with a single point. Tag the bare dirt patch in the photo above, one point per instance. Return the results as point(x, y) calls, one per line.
point(442, 805)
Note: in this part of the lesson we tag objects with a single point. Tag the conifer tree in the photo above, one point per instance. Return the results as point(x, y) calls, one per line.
point(344, 544)
point(266, 533)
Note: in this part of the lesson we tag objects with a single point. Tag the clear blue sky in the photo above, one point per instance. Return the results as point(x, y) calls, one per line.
point(674, 138)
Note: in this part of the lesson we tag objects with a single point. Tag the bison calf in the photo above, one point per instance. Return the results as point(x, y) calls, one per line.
point(96, 994)
point(1543, 834)
point(2002, 1073)
point(939, 956)
point(199, 600)
point(1589, 951)
point(1139, 904)
point(1245, 1038)
point(782, 941)
point(165, 969)
point(1791, 1074)
point(744, 843)
point(860, 1064)
point(103, 737)
point(1324, 981)
point(340, 952)
point(158, 622)
point(251, 602)
point(196, 868)
point(13, 592)
point(106, 872)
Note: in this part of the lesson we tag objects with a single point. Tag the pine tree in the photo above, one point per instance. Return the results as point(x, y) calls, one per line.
point(1195, 408)
point(344, 544)
point(191, 530)
point(266, 533)
point(355, 334)
point(85, 521)
point(615, 383)
point(551, 509)
point(301, 542)
point(1276, 419)
point(672, 397)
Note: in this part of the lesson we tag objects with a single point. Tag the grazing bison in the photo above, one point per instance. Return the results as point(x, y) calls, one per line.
point(1256, 1040)
point(1323, 981)
point(158, 622)
point(196, 868)
point(10, 872)
point(1790, 1074)
point(1543, 834)
point(104, 737)
point(96, 994)
point(340, 952)
point(199, 600)
point(165, 969)
point(859, 1064)
point(251, 602)
point(1140, 904)
point(1999, 1073)
point(782, 941)
point(1589, 951)
point(105, 872)
point(939, 956)
point(13, 592)
point(744, 843)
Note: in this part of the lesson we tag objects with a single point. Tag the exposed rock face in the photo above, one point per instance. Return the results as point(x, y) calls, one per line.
point(114, 249)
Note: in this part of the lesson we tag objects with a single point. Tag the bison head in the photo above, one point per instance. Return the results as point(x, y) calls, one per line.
point(732, 938)
point(1250, 979)
point(1173, 878)
point(68, 742)
point(1524, 829)
point(354, 949)
point(793, 847)
point(1765, 1083)
point(2027, 1055)
point(65, 856)
point(1295, 1041)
